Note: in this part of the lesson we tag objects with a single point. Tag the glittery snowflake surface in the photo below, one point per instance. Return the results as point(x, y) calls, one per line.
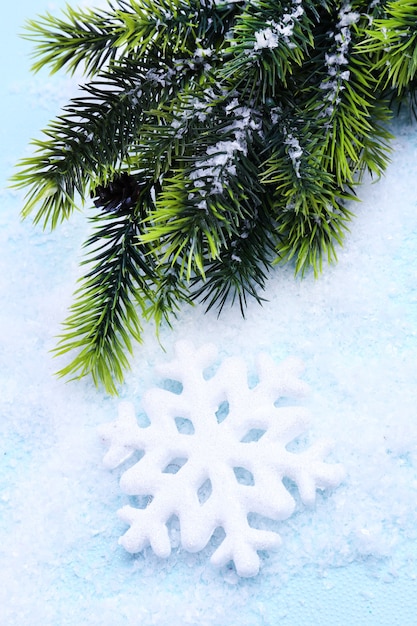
point(214, 452)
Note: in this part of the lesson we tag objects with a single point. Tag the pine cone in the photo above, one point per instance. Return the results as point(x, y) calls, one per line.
point(121, 194)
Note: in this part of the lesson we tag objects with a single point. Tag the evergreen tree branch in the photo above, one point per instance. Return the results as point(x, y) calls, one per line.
point(344, 96)
point(392, 41)
point(242, 267)
point(270, 42)
point(94, 38)
point(86, 37)
point(105, 315)
point(218, 138)
point(215, 188)
point(308, 205)
point(84, 145)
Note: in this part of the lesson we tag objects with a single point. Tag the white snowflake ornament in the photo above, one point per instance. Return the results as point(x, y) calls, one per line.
point(214, 452)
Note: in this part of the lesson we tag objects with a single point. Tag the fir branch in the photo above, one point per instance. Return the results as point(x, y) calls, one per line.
point(95, 38)
point(86, 37)
point(218, 138)
point(169, 292)
point(392, 41)
point(343, 94)
point(243, 265)
point(105, 315)
point(181, 230)
point(152, 23)
point(310, 230)
point(308, 205)
point(203, 204)
point(87, 143)
point(270, 42)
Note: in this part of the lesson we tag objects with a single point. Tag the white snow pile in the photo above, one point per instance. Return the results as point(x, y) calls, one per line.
point(215, 452)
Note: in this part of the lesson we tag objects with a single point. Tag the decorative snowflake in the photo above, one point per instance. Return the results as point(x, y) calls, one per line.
point(214, 452)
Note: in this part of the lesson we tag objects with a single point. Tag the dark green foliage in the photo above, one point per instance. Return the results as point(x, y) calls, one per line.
point(216, 140)
point(114, 290)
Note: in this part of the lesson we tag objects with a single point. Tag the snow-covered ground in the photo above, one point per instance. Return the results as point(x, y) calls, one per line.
point(351, 558)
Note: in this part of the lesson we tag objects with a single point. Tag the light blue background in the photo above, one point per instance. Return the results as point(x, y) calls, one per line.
point(346, 596)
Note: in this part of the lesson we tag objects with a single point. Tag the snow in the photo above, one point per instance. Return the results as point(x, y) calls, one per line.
point(265, 38)
point(349, 559)
point(335, 61)
point(221, 157)
point(270, 36)
point(295, 152)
